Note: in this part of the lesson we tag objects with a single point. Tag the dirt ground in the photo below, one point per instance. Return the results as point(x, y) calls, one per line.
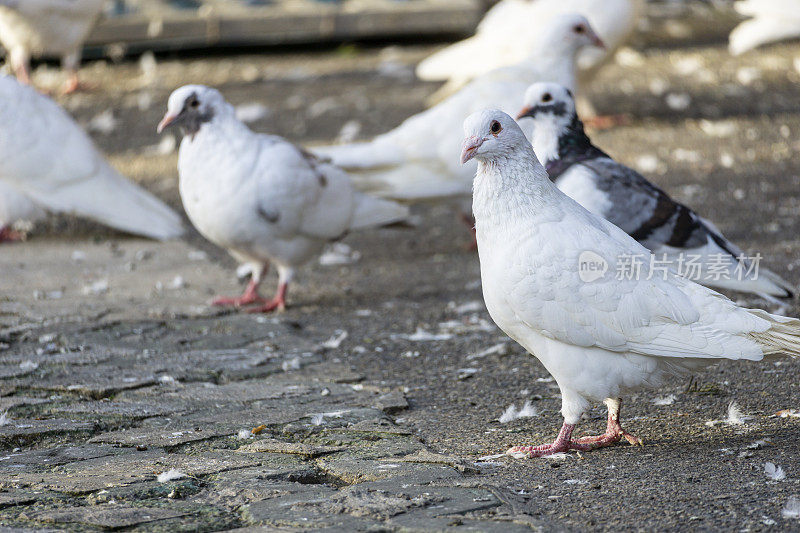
point(114, 369)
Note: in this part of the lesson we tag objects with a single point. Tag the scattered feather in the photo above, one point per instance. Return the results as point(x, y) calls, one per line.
point(318, 419)
point(339, 253)
point(558, 456)
point(575, 481)
point(170, 475)
point(788, 413)
point(103, 123)
point(244, 434)
point(792, 508)
point(467, 307)
point(735, 415)
point(497, 349)
point(291, 364)
point(774, 472)
point(28, 365)
point(420, 335)
point(4, 419)
point(349, 132)
point(335, 341)
point(511, 413)
point(486, 458)
point(466, 373)
point(665, 400)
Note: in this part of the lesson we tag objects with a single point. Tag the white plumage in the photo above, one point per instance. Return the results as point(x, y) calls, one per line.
point(511, 28)
point(599, 338)
point(768, 21)
point(419, 158)
point(47, 162)
point(259, 196)
point(36, 28)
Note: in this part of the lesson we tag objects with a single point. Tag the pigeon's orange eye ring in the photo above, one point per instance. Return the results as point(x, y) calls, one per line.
point(495, 128)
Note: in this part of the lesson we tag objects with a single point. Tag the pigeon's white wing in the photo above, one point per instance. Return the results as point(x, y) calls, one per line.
point(661, 317)
point(46, 156)
point(16, 207)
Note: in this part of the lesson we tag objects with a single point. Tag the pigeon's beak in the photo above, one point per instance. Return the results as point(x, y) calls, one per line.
point(527, 111)
point(598, 42)
point(471, 145)
point(166, 122)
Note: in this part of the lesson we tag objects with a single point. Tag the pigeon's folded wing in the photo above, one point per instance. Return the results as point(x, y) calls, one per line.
point(624, 311)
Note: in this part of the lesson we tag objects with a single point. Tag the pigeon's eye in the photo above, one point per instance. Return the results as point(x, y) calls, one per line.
point(495, 127)
point(580, 28)
point(194, 103)
point(547, 97)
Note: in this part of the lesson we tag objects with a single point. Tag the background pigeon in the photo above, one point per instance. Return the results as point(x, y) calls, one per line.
point(769, 21)
point(47, 158)
point(259, 196)
point(36, 28)
point(625, 198)
point(599, 334)
point(512, 27)
point(418, 159)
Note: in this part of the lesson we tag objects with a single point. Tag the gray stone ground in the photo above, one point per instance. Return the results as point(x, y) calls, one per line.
point(113, 372)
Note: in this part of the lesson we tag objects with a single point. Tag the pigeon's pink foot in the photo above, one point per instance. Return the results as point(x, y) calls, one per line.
point(277, 303)
point(73, 85)
point(614, 432)
point(9, 235)
point(563, 443)
point(250, 296)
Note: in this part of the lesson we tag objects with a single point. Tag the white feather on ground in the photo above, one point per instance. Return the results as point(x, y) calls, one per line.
point(47, 162)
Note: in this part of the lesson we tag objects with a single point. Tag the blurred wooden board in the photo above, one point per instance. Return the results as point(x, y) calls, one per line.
point(157, 26)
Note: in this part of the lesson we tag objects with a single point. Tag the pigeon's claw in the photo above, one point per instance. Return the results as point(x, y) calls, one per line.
point(250, 296)
point(563, 443)
point(9, 235)
point(278, 303)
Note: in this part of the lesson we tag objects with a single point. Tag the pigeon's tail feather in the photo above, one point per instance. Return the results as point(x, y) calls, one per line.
point(108, 198)
point(782, 337)
point(373, 212)
point(361, 155)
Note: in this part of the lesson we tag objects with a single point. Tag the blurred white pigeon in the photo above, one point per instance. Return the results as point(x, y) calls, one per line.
point(768, 21)
point(672, 231)
point(259, 196)
point(16, 209)
point(555, 280)
point(36, 28)
point(48, 159)
point(419, 159)
point(511, 28)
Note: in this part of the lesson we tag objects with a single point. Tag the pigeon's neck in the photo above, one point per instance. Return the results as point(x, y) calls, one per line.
point(510, 189)
point(562, 145)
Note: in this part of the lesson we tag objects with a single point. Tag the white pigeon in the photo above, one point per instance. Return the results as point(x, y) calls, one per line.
point(768, 21)
point(47, 162)
point(555, 279)
point(511, 28)
point(418, 159)
point(16, 209)
point(673, 232)
point(260, 197)
point(36, 28)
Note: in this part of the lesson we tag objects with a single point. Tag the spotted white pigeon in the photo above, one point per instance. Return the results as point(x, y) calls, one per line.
point(37, 28)
point(673, 232)
point(511, 27)
point(419, 158)
point(260, 197)
point(555, 279)
point(48, 163)
point(768, 21)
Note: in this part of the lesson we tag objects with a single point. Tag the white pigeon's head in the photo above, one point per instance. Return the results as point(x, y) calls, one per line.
point(191, 106)
point(491, 135)
point(546, 98)
point(569, 32)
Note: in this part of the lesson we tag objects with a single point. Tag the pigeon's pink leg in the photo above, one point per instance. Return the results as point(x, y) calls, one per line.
point(563, 443)
point(278, 302)
point(72, 84)
point(250, 295)
point(614, 432)
point(9, 235)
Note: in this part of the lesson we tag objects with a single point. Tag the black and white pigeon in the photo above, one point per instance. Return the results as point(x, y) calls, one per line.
point(36, 28)
point(599, 332)
point(259, 196)
point(672, 231)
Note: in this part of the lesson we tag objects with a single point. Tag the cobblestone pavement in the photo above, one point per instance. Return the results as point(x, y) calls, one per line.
point(374, 401)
